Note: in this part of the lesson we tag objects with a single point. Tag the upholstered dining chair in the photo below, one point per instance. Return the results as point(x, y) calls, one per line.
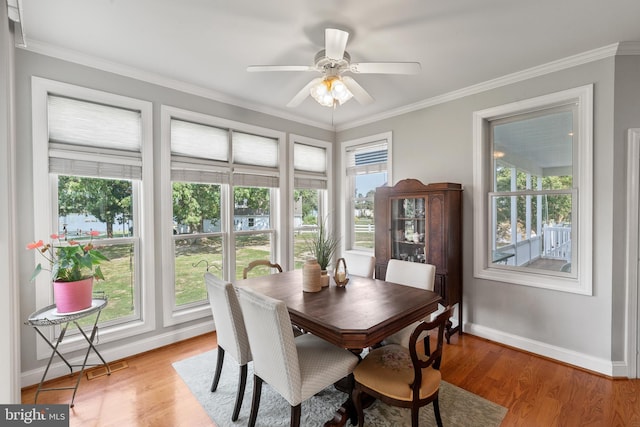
point(260, 262)
point(230, 331)
point(399, 376)
point(296, 368)
point(413, 274)
point(360, 264)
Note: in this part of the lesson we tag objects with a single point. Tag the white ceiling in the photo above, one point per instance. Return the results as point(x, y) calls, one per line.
point(207, 44)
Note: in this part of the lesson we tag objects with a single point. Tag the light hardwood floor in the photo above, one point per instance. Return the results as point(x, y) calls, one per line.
point(537, 392)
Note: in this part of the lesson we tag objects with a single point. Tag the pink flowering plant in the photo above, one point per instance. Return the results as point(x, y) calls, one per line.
point(70, 262)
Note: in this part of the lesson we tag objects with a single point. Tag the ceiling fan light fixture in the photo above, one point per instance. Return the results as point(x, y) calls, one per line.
point(329, 91)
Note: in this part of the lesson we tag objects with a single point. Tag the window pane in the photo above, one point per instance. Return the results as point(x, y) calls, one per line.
point(305, 222)
point(119, 283)
point(363, 214)
point(196, 211)
point(520, 241)
point(196, 208)
point(105, 206)
point(538, 145)
point(250, 247)
point(533, 152)
point(94, 204)
point(193, 257)
point(252, 208)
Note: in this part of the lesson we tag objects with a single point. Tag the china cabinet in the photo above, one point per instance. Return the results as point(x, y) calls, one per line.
point(423, 223)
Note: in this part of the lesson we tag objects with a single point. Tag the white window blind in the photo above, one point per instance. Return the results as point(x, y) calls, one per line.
point(310, 166)
point(255, 150)
point(260, 155)
point(365, 159)
point(199, 141)
point(91, 139)
point(199, 153)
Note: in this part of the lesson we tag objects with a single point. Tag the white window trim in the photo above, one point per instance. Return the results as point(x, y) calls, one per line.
point(171, 314)
point(42, 204)
point(325, 204)
point(345, 203)
point(583, 167)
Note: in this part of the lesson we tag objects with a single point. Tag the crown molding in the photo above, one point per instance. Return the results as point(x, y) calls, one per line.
point(537, 71)
point(621, 48)
point(629, 48)
point(153, 78)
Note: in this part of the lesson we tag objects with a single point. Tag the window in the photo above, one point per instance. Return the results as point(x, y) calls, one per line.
point(367, 166)
point(311, 183)
point(219, 207)
point(92, 151)
point(533, 191)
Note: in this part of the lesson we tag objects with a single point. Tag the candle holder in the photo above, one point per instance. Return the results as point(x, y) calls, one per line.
point(340, 274)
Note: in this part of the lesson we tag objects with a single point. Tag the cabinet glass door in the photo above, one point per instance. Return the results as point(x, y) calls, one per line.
point(408, 229)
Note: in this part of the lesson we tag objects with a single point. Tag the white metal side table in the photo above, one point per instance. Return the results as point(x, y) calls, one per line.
point(49, 316)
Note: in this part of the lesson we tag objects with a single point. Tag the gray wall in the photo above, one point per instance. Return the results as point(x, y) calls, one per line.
point(435, 144)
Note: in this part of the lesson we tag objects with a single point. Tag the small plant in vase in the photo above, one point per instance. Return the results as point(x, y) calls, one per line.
point(322, 246)
point(73, 265)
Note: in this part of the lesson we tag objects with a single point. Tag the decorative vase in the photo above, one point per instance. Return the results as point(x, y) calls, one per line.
point(324, 278)
point(311, 276)
point(73, 296)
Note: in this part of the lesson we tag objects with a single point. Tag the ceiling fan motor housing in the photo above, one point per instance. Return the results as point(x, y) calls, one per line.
point(331, 66)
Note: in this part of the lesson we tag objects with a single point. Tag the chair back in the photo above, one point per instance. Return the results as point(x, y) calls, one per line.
point(360, 264)
point(260, 262)
point(413, 274)
point(275, 357)
point(227, 315)
point(435, 356)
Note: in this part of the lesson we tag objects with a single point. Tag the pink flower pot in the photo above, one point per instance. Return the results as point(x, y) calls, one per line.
point(73, 296)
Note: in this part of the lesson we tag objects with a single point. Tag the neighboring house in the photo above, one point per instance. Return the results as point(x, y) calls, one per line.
point(590, 331)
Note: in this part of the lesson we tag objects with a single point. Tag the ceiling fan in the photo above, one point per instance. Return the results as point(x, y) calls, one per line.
point(334, 88)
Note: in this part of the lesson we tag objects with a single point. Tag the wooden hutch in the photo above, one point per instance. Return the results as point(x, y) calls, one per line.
point(423, 223)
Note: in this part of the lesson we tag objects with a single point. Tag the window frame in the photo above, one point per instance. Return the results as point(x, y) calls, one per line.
point(45, 222)
point(325, 197)
point(581, 281)
point(173, 315)
point(349, 183)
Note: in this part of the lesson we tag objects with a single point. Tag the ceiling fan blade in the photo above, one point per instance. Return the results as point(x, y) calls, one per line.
point(258, 68)
point(386, 67)
point(302, 95)
point(335, 42)
point(358, 91)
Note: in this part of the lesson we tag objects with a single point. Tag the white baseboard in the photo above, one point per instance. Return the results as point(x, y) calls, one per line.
point(581, 360)
point(58, 368)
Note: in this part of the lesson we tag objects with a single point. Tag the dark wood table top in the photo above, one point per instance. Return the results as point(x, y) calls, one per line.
point(356, 316)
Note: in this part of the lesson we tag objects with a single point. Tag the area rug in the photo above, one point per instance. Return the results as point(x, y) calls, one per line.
point(458, 407)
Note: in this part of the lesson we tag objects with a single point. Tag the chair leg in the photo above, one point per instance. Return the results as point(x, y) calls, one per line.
point(295, 415)
point(356, 398)
point(414, 416)
point(436, 411)
point(242, 382)
point(216, 377)
point(255, 402)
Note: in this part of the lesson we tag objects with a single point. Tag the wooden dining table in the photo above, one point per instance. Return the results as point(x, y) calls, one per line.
point(356, 316)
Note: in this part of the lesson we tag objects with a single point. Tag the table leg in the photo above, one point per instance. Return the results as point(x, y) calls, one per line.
point(348, 410)
point(86, 356)
point(53, 353)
